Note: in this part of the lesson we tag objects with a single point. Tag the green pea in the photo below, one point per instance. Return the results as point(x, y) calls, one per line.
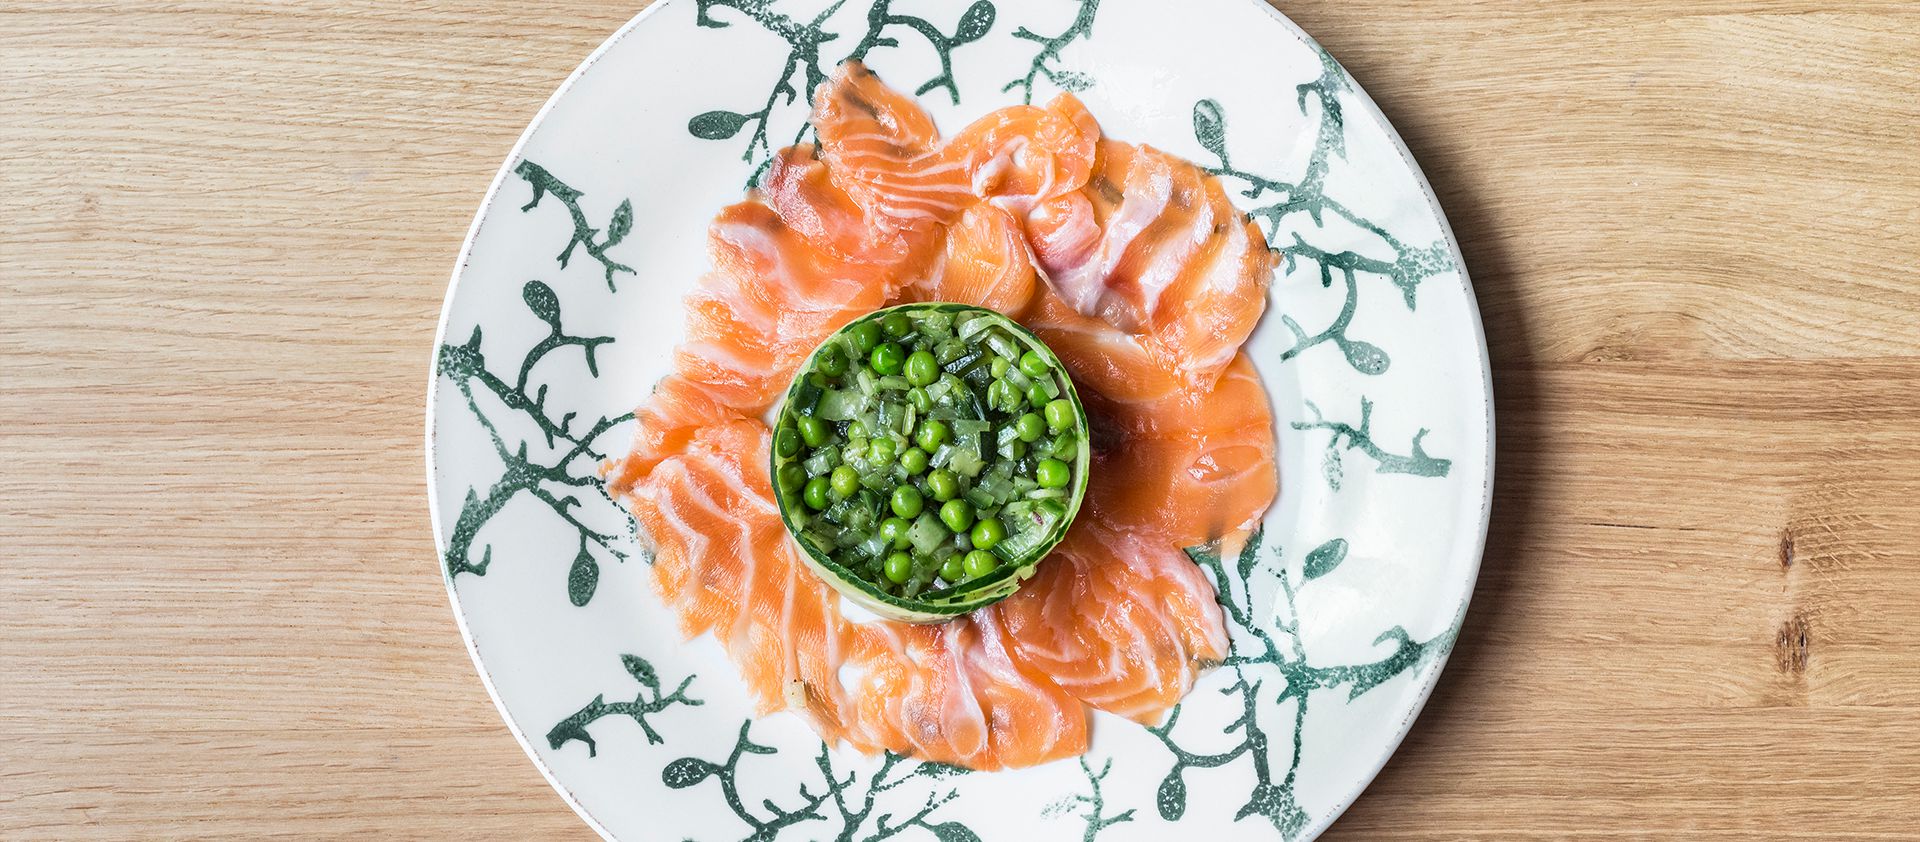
point(899, 568)
point(957, 515)
point(1052, 473)
point(1001, 395)
point(865, 336)
point(914, 461)
point(845, 482)
point(1029, 427)
point(907, 502)
point(813, 430)
point(881, 451)
point(1017, 449)
point(999, 367)
point(1037, 395)
point(921, 369)
point(786, 442)
point(1066, 446)
point(979, 563)
point(818, 380)
point(1034, 365)
point(831, 363)
point(943, 485)
point(888, 358)
point(951, 570)
point(931, 435)
point(816, 493)
point(987, 533)
point(918, 398)
point(1060, 414)
point(792, 477)
point(896, 325)
point(856, 429)
point(894, 530)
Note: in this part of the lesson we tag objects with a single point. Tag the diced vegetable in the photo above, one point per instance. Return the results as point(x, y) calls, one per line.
point(822, 461)
point(840, 405)
point(966, 461)
point(926, 533)
point(1002, 345)
point(970, 427)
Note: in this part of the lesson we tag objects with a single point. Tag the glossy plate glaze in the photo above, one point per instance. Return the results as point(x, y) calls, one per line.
point(566, 301)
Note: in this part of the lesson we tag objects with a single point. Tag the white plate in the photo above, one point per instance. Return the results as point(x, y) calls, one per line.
point(567, 299)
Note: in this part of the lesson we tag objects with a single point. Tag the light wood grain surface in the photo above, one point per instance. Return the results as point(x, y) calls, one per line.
point(225, 230)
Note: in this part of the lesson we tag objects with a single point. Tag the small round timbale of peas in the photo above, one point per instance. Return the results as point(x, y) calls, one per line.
point(926, 448)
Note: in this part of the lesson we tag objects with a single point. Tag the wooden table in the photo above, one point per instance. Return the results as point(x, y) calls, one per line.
point(225, 229)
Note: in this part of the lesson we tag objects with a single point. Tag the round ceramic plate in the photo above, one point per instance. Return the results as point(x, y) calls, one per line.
point(566, 302)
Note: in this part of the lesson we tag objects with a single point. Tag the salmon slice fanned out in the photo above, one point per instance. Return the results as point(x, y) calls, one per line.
point(1123, 620)
point(723, 563)
point(1129, 263)
point(1189, 467)
point(1151, 245)
point(881, 148)
point(746, 335)
point(955, 693)
point(986, 263)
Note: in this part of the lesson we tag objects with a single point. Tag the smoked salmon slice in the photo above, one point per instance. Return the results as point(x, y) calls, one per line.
point(1191, 466)
point(881, 148)
point(746, 335)
point(1130, 263)
point(1151, 245)
point(986, 263)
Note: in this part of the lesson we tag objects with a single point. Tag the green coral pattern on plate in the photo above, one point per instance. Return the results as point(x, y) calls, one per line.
point(529, 359)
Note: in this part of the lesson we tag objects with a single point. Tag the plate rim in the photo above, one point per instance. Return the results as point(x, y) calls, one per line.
point(1425, 691)
point(1372, 109)
point(433, 387)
